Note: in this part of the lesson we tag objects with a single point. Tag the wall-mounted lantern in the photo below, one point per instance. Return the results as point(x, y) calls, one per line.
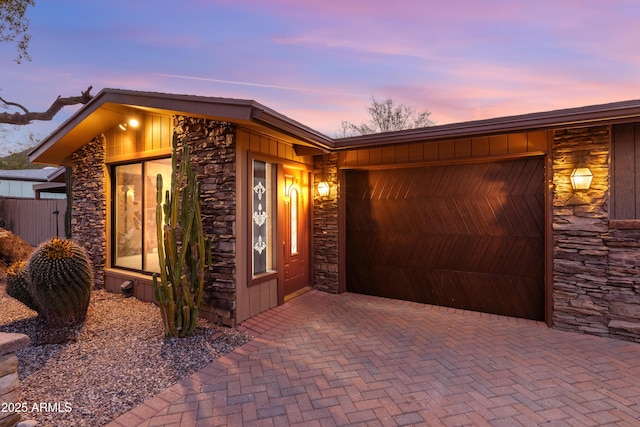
point(323, 189)
point(581, 178)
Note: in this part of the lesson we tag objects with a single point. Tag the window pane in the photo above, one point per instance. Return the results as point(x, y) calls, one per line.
point(293, 198)
point(152, 169)
point(261, 217)
point(128, 216)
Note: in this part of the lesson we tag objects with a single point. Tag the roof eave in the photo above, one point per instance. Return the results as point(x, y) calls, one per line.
point(226, 109)
point(550, 120)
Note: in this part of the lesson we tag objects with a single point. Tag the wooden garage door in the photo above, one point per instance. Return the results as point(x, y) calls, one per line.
point(464, 236)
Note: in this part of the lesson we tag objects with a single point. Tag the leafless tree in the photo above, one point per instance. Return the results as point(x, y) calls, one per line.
point(386, 116)
point(25, 117)
point(14, 27)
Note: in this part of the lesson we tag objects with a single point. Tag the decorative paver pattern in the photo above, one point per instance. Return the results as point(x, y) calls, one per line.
point(348, 360)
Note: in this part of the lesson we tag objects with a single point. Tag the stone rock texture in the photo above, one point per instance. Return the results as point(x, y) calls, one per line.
point(325, 225)
point(596, 268)
point(9, 383)
point(212, 146)
point(89, 204)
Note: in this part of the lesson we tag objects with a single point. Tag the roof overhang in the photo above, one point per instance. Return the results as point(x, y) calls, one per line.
point(112, 106)
point(593, 115)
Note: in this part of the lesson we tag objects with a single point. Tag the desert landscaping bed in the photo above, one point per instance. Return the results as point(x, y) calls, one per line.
point(117, 360)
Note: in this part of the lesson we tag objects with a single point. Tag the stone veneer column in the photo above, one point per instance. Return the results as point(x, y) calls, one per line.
point(9, 383)
point(325, 225)
point(212, 146)
point(580, 219)
point(89, 206)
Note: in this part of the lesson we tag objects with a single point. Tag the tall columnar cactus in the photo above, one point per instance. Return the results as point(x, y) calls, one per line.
point(18, 285)
point(59, 281)
point(183, 252)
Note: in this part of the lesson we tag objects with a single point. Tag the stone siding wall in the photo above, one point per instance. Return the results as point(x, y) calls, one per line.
point(9, 383)
point(212, 146)
point(325, 225)
point(89, 206)
point(596, 268)
point(623, 296)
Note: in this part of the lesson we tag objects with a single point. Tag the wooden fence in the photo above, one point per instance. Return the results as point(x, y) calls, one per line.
point(34, 220)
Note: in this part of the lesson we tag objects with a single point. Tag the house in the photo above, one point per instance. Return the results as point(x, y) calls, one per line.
point(47, 183)
point(478, 215)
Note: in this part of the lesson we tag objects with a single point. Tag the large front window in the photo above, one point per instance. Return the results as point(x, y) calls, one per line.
point(134, 213)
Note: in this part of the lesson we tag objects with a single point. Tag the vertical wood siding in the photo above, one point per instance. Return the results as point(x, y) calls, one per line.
point(626, 172)
point(154, 134)
point(470, 148)
point(34, 220)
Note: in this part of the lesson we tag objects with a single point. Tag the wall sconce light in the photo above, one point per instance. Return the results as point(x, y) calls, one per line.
point(581, 178)
point(323, 189)
point(131, 123)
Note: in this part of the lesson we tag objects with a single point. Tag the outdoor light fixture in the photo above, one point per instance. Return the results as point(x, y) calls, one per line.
point(131, 123)
point(323, 189)
point(581, 178)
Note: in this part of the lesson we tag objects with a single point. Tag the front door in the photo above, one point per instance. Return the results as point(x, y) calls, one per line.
point(295, 245)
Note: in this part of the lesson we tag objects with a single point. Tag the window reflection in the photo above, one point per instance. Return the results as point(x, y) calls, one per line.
point(134, 222)
point(293, 200)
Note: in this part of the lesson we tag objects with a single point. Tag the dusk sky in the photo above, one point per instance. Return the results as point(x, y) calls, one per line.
point(320, 62)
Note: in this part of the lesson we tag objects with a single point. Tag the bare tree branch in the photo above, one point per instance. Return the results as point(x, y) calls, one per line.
point(27, 116)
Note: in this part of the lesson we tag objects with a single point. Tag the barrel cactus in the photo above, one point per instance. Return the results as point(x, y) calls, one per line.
point(18, 286)
point(59, 280)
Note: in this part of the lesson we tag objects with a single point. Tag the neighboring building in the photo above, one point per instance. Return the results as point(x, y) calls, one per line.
point(45, 183)
point(478, 215)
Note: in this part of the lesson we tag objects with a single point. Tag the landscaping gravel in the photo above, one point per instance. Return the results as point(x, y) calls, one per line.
point(118, 359)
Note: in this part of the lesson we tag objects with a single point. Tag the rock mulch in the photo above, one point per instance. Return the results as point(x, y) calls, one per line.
point(118, 359)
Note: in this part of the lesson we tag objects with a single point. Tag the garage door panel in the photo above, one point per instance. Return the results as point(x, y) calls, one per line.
point(464, 236)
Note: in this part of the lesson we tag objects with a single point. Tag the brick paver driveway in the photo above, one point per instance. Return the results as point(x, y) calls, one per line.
point(325, 360)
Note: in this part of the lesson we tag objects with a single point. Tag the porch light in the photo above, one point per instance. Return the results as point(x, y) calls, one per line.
point(134, 123)
point(581, 178)
point(323, 189)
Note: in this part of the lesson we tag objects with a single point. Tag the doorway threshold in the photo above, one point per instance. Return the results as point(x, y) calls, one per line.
point(297, 293)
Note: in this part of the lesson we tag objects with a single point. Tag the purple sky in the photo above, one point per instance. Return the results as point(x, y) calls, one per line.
point(320, 62)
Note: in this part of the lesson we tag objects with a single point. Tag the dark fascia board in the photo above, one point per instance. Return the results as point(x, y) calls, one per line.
point(549, 120)
point(224, 109)
point(273, 120)
point(57, 175)
point(249, 111)
point(51, 187)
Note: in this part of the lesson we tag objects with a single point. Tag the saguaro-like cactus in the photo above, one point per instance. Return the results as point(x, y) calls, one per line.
point(59, 281)
point(183, 252)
